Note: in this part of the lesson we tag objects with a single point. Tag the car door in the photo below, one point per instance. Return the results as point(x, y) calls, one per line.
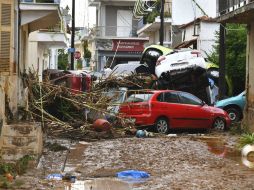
point(195, 113)
point(170, 107)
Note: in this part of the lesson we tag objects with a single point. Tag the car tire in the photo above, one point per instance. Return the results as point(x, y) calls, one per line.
point(219, 124)
point(162, 125)
point(234, 114)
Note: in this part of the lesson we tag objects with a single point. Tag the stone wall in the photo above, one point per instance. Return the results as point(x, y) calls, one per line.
point(18, 140)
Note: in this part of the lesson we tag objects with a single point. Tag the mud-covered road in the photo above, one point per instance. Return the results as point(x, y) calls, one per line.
point(182, 162)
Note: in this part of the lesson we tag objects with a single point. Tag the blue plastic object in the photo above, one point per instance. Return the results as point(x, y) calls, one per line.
point(140, 134)
point(133, 174)
point(55, 177)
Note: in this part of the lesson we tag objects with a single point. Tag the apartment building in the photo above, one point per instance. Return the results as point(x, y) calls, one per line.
point(114, 39)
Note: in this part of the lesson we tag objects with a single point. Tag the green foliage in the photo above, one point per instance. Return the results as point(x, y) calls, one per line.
point(87, 52)
point(79, 64)
point(62, 59)
point(19, 167)
point(236, 38)
point(151, 16)
point(245, 139)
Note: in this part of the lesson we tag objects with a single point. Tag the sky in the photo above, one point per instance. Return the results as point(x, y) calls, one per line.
point(82, 18)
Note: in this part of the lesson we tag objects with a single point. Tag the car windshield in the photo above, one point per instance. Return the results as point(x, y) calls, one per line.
point(116, 96)
point(124, 69)
point(139, 97)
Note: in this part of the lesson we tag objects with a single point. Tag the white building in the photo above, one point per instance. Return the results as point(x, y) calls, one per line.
point(114, 38)
point(42, 32)
point(200, 34)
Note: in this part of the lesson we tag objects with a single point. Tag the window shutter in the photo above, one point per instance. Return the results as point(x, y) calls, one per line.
point(6, 33)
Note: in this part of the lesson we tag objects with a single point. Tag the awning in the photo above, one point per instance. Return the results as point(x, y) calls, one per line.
point(186, 44)
point(40, 16)
point(49, 39)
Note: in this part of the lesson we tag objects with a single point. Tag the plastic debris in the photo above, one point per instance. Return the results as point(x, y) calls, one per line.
point(140, 134)
point(172, 135)
point(54, 177)
point(133, 174)
point(144, 133)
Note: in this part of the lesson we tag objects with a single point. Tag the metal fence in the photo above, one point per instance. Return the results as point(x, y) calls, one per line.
point(225, 6)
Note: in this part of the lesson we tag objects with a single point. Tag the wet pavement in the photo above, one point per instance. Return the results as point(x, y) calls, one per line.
point(209, 161)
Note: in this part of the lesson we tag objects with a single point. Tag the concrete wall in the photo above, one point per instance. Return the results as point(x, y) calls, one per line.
point(18, 140)
point(8, 97)
point(249, 109)
point(206, 38)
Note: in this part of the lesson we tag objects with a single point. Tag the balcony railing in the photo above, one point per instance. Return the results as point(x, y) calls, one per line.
point(41, 1)
point(150, 17)
point(226, 6)
point(115, 31)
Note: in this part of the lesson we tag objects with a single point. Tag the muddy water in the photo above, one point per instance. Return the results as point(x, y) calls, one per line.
point(219, 147)
point(99, 184)
point(74, 156)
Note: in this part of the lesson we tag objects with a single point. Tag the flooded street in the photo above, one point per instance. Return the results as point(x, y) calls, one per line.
point(208, 161)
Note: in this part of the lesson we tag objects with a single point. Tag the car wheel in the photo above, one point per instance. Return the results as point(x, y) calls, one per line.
point(162, 125)
point(219, 124)
point(234, 114)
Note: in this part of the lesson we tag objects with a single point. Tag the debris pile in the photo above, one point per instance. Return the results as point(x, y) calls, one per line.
point(65, 112)
point(134, 81)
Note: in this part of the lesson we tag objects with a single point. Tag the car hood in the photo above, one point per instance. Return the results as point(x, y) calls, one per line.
point(217, 110)
point(227, 101)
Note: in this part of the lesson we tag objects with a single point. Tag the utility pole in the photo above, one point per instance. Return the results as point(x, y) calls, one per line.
point(222, 62)
point(162, 23)
point(72, 34)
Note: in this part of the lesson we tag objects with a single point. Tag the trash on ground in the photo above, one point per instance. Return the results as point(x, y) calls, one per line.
point(133, 174)
point(54, 177)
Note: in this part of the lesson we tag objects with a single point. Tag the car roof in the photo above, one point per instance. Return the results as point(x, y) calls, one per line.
point(156, 91)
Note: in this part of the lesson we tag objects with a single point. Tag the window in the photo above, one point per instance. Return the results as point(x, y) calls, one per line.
point(186, 98)
point(139, 98)
point(6, 31)
point(170, 97)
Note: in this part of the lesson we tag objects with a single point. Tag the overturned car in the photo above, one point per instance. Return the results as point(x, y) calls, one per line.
point(183, 70)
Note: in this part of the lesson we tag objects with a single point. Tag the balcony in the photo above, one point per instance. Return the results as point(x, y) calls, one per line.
point(235, 11)
point(38, 14)
point(41, 1)
point(115, 31)
point(151, 21)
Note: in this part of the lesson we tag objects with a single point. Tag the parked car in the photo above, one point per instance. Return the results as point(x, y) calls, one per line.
point(165, 109)
point(233, 106)
point(77, 80)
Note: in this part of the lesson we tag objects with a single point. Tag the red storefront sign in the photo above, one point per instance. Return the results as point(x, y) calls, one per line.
point(128, 45)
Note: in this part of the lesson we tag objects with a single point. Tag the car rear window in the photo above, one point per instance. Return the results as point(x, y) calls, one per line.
point(139, 97)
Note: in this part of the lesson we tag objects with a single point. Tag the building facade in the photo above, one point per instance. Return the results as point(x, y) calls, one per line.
point(114, 39)
point(29, 29)
point(149, 21)
point(199, 34)
point(242, 11)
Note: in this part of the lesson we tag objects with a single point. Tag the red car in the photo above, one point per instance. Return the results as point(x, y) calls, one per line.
point(167, 109)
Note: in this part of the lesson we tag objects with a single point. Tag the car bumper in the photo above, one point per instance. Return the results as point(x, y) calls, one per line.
point(228, 121)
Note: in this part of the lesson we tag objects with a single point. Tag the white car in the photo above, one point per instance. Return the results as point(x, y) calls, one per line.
point(179, 60)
